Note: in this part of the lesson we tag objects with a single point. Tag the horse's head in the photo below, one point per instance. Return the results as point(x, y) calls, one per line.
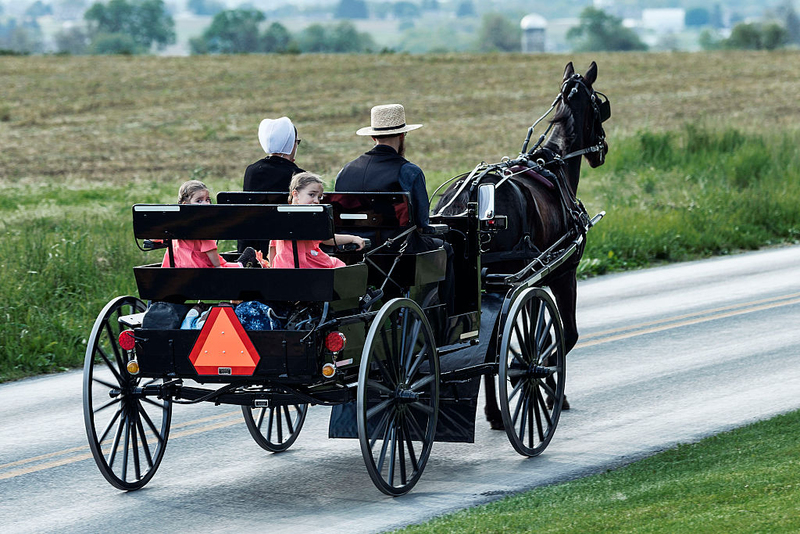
point(585, 110)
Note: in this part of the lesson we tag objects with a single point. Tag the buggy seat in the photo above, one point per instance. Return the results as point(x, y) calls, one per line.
point(230, 222)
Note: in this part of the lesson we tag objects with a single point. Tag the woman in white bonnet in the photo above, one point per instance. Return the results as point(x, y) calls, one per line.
point(279, 139)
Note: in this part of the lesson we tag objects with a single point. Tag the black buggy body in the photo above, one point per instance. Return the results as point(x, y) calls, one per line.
point(370, 338)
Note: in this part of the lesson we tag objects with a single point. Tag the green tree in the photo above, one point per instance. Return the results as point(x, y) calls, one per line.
point(429, 5)
point(465, 9)
point(38, 9)
point(277, 39)
point(314, 38)
point(233, 31)
point(598, 30)
point(205, 7)
point(498, 34)
point(791, 21)
point(114, 43)
point(146, 22)
point(351, 9)
point(73, 41)
point(755, 36)
point(406, 10)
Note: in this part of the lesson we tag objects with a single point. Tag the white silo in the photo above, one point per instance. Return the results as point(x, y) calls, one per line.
point(533, 29)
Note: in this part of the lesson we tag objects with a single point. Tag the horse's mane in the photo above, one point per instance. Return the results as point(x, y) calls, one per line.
point(564, 132)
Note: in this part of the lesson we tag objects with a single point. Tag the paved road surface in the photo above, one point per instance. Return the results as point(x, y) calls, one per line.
point(667, 355)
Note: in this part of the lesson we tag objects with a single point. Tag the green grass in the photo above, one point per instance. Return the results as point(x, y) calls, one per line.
point(743, 481)
point(702, 161)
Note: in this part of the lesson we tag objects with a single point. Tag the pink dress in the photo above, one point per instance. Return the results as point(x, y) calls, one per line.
point(192, 253)
point(308, 254)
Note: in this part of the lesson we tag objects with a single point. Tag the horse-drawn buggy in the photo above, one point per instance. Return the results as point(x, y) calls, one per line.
point(374, 338)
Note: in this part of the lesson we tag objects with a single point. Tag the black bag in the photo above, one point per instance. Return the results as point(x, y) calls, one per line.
point(164, 316)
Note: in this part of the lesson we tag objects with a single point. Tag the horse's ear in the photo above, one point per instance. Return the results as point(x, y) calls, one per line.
point(591, 74)
point(569, 71)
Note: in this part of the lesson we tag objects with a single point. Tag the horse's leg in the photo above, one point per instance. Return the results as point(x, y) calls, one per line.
point(565, 290)
point(491, 409)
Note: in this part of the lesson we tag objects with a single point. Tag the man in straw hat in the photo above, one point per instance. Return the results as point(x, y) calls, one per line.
point(384, 168)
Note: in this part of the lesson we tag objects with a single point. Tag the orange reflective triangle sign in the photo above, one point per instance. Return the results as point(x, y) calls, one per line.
point(223, 347)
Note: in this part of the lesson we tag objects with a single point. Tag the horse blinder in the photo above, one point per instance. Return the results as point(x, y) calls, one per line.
point(604, 107)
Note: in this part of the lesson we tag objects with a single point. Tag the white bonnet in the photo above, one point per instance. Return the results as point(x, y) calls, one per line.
point(276, 135)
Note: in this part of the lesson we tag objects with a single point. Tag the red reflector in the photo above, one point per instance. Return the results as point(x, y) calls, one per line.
point(126, 340)
point(335, 341)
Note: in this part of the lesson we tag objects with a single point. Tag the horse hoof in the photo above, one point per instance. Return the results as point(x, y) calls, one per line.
point(496, 424)
point(564, 405)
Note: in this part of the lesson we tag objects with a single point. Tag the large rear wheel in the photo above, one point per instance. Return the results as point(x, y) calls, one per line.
point(127, 430)
point(532, 371)
point(398, 396)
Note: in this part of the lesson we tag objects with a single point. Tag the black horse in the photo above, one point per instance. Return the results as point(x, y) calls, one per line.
point(542, 210)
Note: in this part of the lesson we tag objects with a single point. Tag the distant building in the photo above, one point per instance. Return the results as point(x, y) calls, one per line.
point(533, 30)
point(667, 20)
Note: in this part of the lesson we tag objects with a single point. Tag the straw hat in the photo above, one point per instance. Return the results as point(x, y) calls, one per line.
point(388, 119)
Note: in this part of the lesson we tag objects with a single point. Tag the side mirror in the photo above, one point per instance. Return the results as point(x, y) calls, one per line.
point(486, 202)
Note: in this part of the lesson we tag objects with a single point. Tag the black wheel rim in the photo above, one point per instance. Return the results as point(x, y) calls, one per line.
point(275, 427)
point(398, 396)
point(127, 430)
point(532, 371)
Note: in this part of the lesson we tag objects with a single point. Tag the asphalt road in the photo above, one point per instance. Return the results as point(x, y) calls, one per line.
point(667, 355)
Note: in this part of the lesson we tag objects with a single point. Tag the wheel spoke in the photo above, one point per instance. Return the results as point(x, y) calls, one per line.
point(127, 445)
point(525, 357)
point(160, 405)
point(110, 366)
point(106, 405)
point(423, 407)
point(409, 355)
point(102, 438)
point(145, 446)
point(385, 372)
point(542, 403)
point(109, 385)
point(401, 455)
point(422, 382)
point(279, 426)
point(379, 428)
point(150, 424)
point(524, 402)
point(381, 406)
point(261, 413)
point(410, 443)
point(371, 383)
point(547, 389)
point(112, 343)
point(270, 422)
point(385, 444)
point(115, 445)
point(393, 456)
point(420, 357)
point(531, 409)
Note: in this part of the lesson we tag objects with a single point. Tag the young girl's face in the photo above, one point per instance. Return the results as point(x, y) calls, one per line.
point(310, 194)
point(200, 197)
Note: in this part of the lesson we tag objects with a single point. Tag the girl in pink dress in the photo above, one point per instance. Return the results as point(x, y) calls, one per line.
point(307, 188)
point(202, 252)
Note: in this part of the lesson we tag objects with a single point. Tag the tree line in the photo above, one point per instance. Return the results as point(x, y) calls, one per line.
point(142, 26)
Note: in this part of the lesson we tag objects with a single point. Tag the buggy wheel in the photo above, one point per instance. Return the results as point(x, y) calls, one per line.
point(127, 430)
point(398, 396)
point(532, 371)
point(275, 427)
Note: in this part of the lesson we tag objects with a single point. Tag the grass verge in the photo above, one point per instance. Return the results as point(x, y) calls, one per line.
point(741, 481)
